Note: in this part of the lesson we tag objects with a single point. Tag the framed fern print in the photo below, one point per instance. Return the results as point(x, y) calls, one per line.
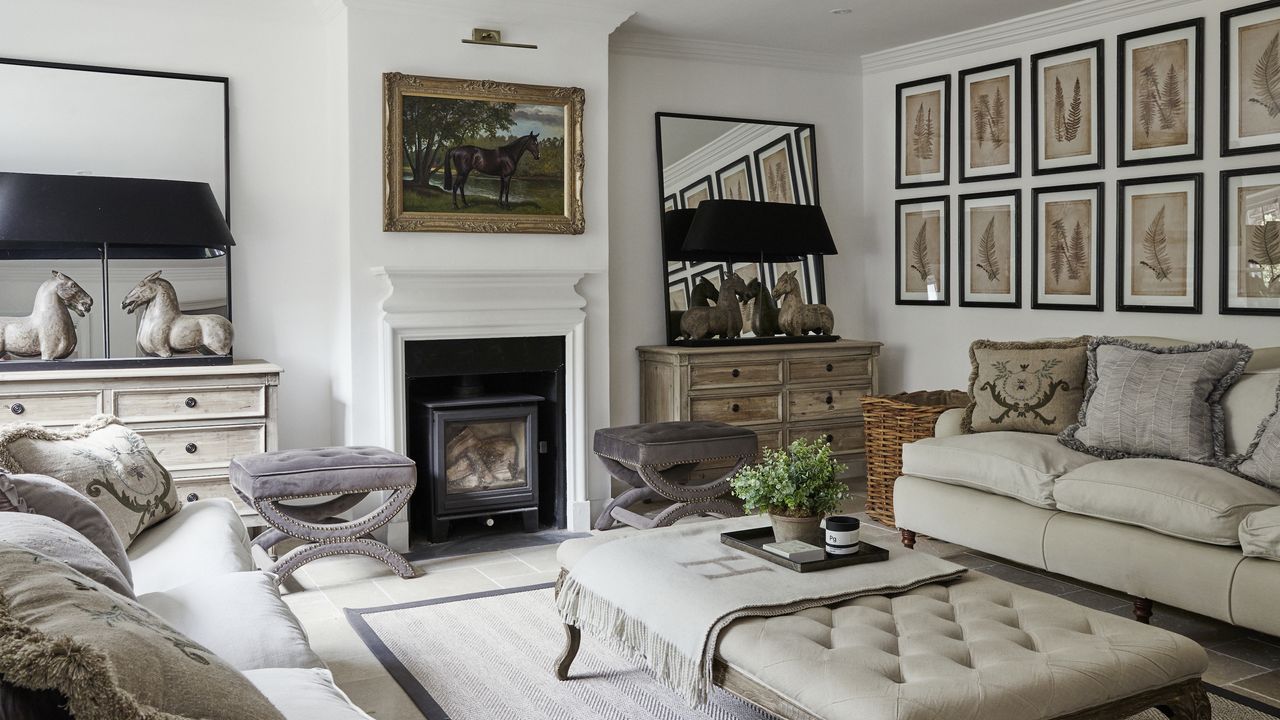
point(1250, 232)
point(1067, 109)
point(1159, 244)
point(696, 192)
point(1066, 247)
point(922, 254)
point(990, 121)
point(923, 153)
point(1161, 89)
point(734, 180)
point(1251, 79)
point(990, 241)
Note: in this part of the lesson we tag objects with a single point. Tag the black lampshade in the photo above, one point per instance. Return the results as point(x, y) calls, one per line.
point(747, 231)
point(71, 215)
point(675, 228)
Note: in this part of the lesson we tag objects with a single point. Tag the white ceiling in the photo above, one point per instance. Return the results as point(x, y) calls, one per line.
point(809, 24)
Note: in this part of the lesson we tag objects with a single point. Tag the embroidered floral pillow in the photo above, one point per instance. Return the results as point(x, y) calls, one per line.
point(1025, 386)
point(101, 459)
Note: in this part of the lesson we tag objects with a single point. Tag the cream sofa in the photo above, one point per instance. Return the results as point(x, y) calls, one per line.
point(1159, 530)
point(195, 570)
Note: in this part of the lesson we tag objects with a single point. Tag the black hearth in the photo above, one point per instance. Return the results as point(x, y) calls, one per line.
point(486, 426)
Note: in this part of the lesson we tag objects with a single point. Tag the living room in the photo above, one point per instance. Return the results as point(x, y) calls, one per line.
point(517, 285)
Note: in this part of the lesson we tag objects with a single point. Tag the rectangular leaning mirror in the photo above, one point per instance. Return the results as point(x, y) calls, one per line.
point(702, 157)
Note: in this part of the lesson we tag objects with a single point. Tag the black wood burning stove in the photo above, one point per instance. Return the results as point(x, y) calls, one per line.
point(482, 459)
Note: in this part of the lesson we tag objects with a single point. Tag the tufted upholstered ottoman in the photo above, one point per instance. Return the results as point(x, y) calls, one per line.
point(978, 648)
point(657, 459)
point(269, 481)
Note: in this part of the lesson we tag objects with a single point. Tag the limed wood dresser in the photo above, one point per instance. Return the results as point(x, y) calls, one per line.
point(195, 419)
point(782, 392)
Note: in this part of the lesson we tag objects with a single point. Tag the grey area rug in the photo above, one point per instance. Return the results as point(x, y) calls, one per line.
point(488, 656)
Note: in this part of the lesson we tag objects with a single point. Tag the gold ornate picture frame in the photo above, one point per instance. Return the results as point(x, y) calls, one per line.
point(481, 156)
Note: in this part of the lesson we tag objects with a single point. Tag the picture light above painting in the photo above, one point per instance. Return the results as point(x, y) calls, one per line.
point(708, 158)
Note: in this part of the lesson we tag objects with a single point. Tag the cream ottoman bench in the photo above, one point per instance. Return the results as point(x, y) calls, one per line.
point(978, 648)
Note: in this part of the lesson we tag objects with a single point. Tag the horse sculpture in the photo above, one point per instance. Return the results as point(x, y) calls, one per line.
point(501, 162)
point(723, 320)
point(164, 330)
point(796, 317)
point(704, 295)
point(48, 332)
point(763, 317)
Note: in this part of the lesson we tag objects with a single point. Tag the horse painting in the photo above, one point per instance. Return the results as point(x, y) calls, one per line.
point(48, 332)
point(163, 330)
point(501, 162)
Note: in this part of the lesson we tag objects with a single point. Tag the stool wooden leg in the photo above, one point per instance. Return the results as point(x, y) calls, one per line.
point(909, 539)
point(572, 641)
point(1142, 610)
point(1191, 704)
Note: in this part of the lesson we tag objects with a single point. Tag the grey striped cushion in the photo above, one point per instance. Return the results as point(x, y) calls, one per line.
point(1263, 462)
point(1144, 401)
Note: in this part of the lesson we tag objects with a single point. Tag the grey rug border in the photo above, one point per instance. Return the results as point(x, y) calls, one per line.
point(427, 705)
point(431, 709)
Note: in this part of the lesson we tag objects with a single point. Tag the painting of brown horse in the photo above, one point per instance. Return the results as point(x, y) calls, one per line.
point(501, 162)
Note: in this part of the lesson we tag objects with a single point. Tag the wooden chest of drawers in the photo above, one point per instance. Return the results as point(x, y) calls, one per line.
point(782, 392)
point(195, 419)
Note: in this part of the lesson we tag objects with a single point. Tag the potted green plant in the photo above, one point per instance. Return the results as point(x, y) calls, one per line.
point(796, 486)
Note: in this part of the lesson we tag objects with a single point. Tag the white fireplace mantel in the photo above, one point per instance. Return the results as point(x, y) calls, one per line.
point(446, 304)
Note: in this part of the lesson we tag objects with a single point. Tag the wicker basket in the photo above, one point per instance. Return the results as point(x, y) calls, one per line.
point(891, 422)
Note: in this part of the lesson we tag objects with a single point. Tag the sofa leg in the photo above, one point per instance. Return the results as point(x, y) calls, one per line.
point(909, 539)
point(572, 641)
point(1142, 610)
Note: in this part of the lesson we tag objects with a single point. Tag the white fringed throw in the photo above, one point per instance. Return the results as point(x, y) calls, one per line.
point(662, 596)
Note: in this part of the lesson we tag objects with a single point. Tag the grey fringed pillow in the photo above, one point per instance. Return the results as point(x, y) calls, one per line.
point(41, 495)
point(1145, 401)
point(1262, 461)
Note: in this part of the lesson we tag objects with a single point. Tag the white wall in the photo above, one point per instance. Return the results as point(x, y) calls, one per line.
point(284, 209)
point(642, 85)
point(926, 347)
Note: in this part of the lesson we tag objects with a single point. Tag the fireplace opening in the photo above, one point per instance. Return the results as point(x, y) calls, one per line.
point(486, 427)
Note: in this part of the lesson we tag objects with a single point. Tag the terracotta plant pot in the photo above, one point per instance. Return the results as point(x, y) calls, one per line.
point(805, 529)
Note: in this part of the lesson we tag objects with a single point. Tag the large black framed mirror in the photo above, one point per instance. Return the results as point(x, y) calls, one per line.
point(702, 157)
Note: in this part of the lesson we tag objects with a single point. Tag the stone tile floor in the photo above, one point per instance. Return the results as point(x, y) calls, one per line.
point(1241, 660)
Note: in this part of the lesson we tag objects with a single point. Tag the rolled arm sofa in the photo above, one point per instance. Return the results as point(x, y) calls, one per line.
point(1159, 530)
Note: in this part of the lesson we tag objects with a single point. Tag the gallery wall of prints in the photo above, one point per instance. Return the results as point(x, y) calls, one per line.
point(1089, 161)
point(747, 162)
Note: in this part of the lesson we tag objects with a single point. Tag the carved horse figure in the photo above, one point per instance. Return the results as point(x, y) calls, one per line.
point(164, 330)
point(723, 320)
point(48, 332)
point(764, 311)
point(704, 295)
point(501, 162)
point(796, 317)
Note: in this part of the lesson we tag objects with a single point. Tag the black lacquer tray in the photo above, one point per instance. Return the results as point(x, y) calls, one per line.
point(753, 541)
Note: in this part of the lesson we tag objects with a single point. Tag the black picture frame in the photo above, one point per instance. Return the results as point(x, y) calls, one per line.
point(757, 158)
point(1015, 121)
point(944, 136)
point(944, 245)
point(803, 139)
point(1196, 112)
point(1225, 209)
point(962, 267)
point(1099, 246)
point(1225, 82)
point(1099, 116)
point(704, 181)
point(745, 163)
point(1196, 278)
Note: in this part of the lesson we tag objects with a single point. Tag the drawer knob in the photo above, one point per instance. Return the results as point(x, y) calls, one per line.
point(192, 497)
point(17, 409)
point(190, 402)
point(830, 367)
point(829, 438)
point(736, 372)
point(191, 448)
point(829, 399)
point(735, 407)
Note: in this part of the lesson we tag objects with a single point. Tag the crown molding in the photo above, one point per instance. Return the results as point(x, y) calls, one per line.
point(1077, 16)
point(652, 45)
point(497, 12)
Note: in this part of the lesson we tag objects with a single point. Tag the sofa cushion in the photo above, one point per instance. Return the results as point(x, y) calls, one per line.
point(240, 617)
point(104, 460)
point(1247, 407)
point(1016, 464)
point(1175, 498)
point(1261, 461)
point(305, 694)
point(1148, 401)
point(45, 496)
point(109, 656)
point(58, 541)
point(1025, 386)
point(1260, 534)
point(205, 538)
